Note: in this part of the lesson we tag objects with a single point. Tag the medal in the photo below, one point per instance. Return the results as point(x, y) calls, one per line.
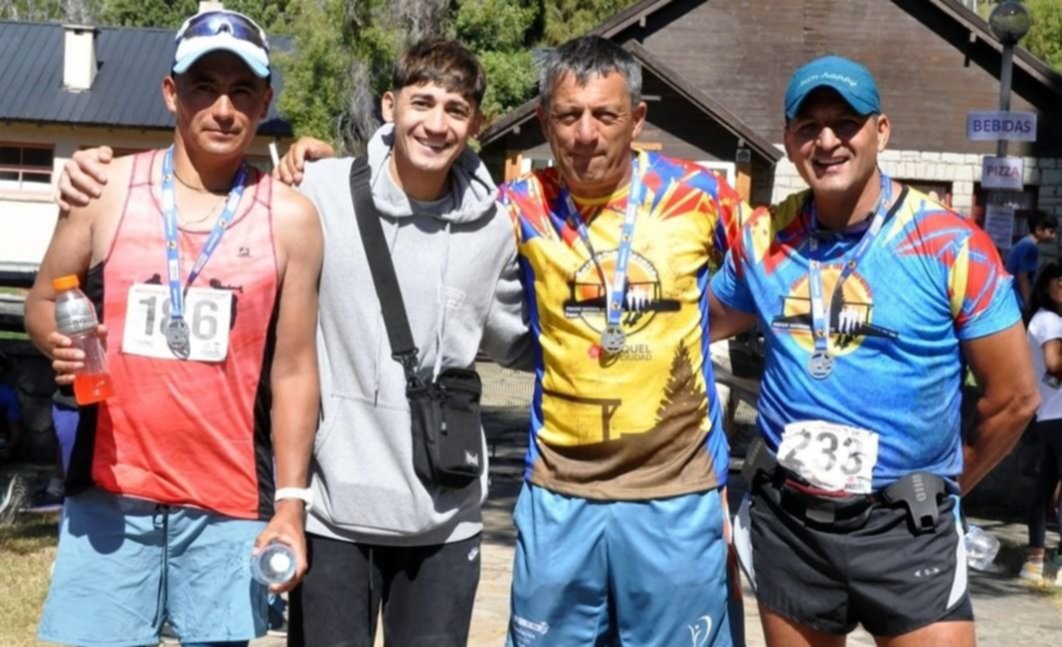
point(613, 339)
point(177, 333)
point(178, 339)
point(820, 365)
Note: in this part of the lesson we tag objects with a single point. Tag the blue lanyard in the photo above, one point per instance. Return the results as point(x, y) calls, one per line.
point(635, 197)
point(820, 317)
point(169, 216)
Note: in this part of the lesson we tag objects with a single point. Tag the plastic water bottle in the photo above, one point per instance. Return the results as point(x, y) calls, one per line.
point(981, 549)
point(274, 564)
point(76, 318)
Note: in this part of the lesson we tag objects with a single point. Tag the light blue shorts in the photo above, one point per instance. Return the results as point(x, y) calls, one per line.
point(638, 573)
point(126, 565)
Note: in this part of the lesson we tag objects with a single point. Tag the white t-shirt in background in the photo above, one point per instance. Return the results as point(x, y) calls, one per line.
point(1044, 327)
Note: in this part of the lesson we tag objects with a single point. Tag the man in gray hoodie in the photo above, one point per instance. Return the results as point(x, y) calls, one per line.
point(378, 535)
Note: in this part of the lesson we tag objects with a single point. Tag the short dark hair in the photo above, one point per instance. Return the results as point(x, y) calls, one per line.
point(588, 56)
point(1042, 220)
point(1041, 295)
point(446, 63)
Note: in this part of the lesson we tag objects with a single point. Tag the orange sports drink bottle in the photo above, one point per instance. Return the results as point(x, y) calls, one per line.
point(76, 318)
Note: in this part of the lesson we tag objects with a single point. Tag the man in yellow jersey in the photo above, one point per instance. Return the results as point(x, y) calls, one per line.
point(621, 520)
point(205, 272)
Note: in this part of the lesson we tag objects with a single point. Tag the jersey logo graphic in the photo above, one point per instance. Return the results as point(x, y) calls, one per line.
point(699, 638)
point(851, 315)
point(642, 295)
point(244, 252)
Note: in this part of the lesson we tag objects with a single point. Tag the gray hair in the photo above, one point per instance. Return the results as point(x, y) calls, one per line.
point(585, 57)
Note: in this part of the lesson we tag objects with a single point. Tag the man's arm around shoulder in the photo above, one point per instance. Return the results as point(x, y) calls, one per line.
point(1003, 366)
point(293, 377)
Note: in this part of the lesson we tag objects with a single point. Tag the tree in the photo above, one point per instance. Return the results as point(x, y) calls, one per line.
point(566, 19)
point(1045, 35)
point(500, 32)
point(1044, 39)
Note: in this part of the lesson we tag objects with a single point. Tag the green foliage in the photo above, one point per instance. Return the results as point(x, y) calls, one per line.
point(1044, 39)
point(33, 10)
point(566, 19)
point(343, 50)
point(511, 81)
point(500, 32)
point(316, 72)
point(1045, 35)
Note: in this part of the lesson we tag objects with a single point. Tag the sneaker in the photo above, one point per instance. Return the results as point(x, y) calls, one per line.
point(15, 497)
point(50, 498)
point(1032, 571)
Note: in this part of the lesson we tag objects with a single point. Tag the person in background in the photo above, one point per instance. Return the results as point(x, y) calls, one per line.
point(1024, 258)
point(1044, 319)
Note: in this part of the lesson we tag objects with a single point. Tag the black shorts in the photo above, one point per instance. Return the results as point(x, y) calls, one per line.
point(424, 594)
point(832, 577)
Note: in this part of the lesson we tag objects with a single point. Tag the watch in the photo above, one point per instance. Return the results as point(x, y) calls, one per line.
point(301, 493)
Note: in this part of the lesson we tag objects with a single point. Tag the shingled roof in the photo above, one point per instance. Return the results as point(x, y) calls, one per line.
point(125, 94)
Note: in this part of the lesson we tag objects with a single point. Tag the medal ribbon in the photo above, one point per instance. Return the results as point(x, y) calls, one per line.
point(169, 216)
point(635, 197)
point(820, 317)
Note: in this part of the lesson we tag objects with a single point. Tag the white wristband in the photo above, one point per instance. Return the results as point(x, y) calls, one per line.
point(301, 493)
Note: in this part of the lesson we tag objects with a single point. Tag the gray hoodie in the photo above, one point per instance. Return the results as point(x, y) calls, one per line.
point(456, 264)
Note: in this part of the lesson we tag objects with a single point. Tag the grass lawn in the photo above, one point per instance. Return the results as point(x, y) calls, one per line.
point(26, 551)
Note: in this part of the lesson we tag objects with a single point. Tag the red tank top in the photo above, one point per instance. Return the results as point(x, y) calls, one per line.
point(185, 432)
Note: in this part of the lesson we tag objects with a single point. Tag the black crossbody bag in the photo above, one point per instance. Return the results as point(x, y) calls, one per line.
point(445, 412)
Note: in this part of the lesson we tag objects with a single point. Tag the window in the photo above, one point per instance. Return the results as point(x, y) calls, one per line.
point(26, 167)
point(727, 169)
point(939, 191)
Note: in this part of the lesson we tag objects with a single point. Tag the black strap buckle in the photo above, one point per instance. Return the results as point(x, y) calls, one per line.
point(920, 493)
point(408, 360)
point(758, 460)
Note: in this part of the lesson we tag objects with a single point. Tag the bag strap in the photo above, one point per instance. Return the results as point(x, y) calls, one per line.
point(384, 279)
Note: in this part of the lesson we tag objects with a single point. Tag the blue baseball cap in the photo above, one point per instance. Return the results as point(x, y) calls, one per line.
point(222, 30)
point(847, 78)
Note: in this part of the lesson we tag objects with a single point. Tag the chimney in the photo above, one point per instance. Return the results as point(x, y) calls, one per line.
point(210, 5)
point(79, 57)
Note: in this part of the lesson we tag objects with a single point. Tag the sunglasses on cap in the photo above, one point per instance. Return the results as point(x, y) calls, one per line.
point(214, 23)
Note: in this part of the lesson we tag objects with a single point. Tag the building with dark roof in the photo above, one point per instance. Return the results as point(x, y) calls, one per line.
point(71, 87)
point(728, 62)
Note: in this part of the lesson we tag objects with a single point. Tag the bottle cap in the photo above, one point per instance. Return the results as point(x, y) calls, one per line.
point(68, 282)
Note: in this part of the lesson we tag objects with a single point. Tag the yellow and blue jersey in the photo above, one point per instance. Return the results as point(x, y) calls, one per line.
point(930, 281)
point(644, 422)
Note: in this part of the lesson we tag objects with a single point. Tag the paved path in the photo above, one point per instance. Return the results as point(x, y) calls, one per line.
point(1008, 612)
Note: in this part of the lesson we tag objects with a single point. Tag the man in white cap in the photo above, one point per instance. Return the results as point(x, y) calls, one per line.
point(205, 271)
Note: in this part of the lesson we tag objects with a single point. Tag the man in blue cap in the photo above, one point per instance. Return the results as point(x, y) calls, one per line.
point(872, 299)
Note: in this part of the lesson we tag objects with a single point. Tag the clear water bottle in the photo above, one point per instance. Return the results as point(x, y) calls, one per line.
point(274, 564)
point(981, 549)
point(75, 317)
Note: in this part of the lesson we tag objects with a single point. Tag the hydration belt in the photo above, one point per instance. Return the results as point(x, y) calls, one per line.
point(919, 493)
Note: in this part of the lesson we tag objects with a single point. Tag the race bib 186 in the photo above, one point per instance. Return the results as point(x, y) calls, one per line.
point(208, 313)
point(830, 456)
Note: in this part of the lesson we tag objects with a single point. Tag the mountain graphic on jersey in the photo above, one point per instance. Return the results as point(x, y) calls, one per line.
point(642, 422)
point(642, 295)
point(851, 312)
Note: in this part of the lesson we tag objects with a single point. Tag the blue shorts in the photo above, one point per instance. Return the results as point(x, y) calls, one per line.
point(641, 573)
point(126, 565)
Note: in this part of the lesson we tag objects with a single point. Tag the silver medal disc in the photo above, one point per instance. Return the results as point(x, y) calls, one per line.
point(820, 365)
point(613, 339)
point(177, 338)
